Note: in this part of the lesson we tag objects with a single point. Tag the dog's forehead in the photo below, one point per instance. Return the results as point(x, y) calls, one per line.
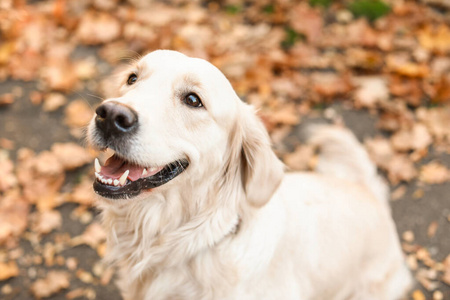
point(176, 63)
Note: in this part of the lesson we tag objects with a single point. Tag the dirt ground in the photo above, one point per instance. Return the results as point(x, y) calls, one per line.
point(388, 82)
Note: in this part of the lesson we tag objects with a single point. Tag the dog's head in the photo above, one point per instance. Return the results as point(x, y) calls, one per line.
point(178, 117)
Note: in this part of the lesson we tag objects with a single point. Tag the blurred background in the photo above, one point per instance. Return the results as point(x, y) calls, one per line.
point(381, 68)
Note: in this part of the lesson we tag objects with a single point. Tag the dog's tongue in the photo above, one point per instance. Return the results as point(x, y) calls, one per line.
point(115, 166)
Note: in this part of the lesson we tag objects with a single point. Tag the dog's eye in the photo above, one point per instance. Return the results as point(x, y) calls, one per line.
point(193, 100)
point(131, 79)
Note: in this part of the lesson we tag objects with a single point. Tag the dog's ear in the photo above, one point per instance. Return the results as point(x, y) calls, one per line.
point(261, 170)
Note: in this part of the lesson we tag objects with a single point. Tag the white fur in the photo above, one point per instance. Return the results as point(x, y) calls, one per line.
point(232, 226)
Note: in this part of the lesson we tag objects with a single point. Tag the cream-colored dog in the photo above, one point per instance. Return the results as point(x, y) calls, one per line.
point(197, 206)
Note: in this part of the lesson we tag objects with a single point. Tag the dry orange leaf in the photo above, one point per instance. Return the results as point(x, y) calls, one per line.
point(47, 221)
point(71, 155)
point(98, 28)
point(8, 270)
point(83, 193)
point(93, 236)
point(78, 114)
point(435, 39)
point(416, 138)
point(51, 284)
point(434, 173)
point(370, 91)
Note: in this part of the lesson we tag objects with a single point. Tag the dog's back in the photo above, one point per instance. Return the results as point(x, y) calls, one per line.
point(343, 224)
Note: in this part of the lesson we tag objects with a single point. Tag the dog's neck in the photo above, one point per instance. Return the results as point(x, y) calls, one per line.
point(166, 229)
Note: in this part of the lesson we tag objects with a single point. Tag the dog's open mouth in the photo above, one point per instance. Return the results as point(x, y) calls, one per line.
point(119, 179)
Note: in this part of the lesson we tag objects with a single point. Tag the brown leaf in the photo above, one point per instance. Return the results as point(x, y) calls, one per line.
point(13, 216)
point(436, 39)
point(7, 179)
point(307, 20)
point(71, 155)
point(46, 221)
point(434, 173)
point(407, 89)
point(98, 28)
point(6, 99)
point(8, 270)
point(83, 193)
point(50, 285)
point(418, 295)
point(400, 168)
point(41, 177)
point(331, 85)
point(93, 236)
point(446, 276)
point(78, 114)
point(398, 193)
point(54, 101)
point(370, 91)
point(436, 119)
point(416, 138)
point(380, 151)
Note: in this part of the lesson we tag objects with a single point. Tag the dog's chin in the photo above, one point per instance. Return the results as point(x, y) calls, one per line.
point(121, 179)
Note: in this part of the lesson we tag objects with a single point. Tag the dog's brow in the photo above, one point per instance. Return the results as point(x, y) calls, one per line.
point(143, 71)
point(191, 80)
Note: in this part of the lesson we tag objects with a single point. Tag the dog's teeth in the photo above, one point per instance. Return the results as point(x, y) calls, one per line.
point(97, 175)
point(144, 172)
point(109, 181)
point(123, 178)
point(104, 181)
point(98, 167)
point(152, 169)
point(116, 182)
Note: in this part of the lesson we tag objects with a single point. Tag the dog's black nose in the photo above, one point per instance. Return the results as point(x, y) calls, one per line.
point(115, 118)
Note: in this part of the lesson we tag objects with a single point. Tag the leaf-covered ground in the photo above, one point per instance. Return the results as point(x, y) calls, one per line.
point(380, 68)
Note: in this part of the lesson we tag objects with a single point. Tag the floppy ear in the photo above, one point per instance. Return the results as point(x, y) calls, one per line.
point(261, 170)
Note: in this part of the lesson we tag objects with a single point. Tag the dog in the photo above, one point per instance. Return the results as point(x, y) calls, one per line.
point(196, 205)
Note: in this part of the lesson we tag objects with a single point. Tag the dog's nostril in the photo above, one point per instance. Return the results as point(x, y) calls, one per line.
point(125, 121)
point(101, 111)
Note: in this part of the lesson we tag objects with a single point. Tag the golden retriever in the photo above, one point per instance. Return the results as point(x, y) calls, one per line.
point(197, 206)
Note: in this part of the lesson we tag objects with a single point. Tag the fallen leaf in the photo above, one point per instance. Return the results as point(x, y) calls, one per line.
point(93, 236)
point(416, 138)
point(418, 295)
point(380, 151)
point(370, 91)
point(400, 168)
point(78, 114)
point(6, 99)
point(8, 179)
point(331, 85)
point(446, 275)
point(47, 221)
point(54, 101)
point(97, 28)
point(434, 173)
point(54, 282)
point(8, 270)
point(307, 20)
point(13, 216)
point(398, 193)
point(41, 177)
point(435, 39)
point(71, 155)
point(83, 193)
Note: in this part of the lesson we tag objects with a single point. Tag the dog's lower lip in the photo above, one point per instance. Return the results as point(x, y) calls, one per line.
point(134, 188)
